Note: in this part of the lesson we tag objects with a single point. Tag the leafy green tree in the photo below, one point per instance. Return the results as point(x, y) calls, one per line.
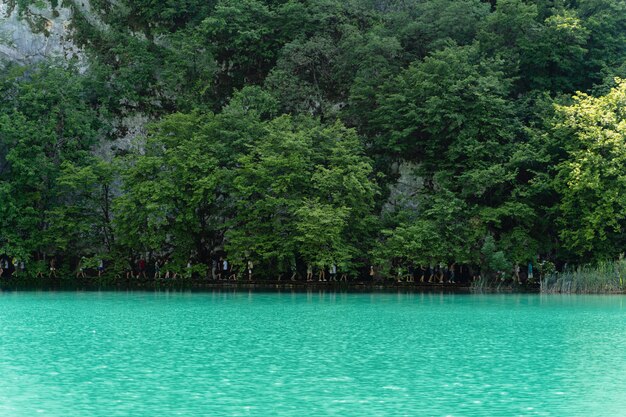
point(155, 16)
point(171, 199)
point(188, 70)
point(462, 89)
point(553, 58)
point(302, 191)
point(244, 43)
point(493, 260)
point(450, 110)
point(45, 122)
point(592, 211)
point(304, 76)
point(82, 221)
point(543, 52)
point(606, 22)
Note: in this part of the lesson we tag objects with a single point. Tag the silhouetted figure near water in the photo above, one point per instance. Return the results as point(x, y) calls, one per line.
point(130, 274)
point(53, 268)
point(142, 269)
point(15, 264)
point(168, 272)
point(219, 269)
point(40, 267)
point(321, 276)
point(189, 270)
point(294, 270)
point(422, 273)
point(80, 270)
point(157, 269)
point(100, 267)
point(225, 268)
point(344, 273)
point(452, 272)
point(333, 273)
point(250, 267)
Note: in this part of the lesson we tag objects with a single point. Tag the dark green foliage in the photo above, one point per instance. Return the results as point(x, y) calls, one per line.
point(45, 124)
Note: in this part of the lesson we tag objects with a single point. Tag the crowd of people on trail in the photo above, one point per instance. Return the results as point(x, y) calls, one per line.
point(453, 274)
point(14, 267)
point(221, 269)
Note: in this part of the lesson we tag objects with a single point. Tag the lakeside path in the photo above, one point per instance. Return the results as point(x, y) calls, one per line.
point(265, 285)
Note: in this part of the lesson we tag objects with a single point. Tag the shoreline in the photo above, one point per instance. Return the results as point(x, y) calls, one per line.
point(95, 284)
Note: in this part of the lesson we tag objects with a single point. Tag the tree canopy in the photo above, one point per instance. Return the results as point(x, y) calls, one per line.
point(280, 131)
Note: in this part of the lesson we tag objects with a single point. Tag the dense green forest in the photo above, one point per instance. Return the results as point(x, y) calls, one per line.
point(320, 132)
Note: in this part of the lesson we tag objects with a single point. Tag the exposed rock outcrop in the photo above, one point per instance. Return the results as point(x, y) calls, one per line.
point(37, 32)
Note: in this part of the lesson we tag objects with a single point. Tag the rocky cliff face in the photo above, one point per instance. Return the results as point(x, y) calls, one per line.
point(407, 186)
point(37, 32)
point(45, 32)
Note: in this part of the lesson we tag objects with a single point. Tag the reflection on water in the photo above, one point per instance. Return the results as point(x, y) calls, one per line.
point(313, 353)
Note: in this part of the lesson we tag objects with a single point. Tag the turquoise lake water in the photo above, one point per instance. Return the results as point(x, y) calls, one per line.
point(316, 354)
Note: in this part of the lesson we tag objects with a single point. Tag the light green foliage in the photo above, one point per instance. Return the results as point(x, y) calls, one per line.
point(493, 260)
point(592, 180)
point(605, 277)
point(320, 229)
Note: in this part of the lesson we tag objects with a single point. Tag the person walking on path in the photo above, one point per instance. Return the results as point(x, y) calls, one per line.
point(53, 268)
point(333, 272)
point(130, 274)
point(422, 273)
point(167, 269)
point(40, 267)
point(189, 270)
point(321, 276)
point(15, 264)
point(250, 267)
point(225, 268)
point(516, 276)
point(344, 274)
point(157, 269)
point(294, 270)
point(142, 268)
point(452, 273)
point(100, 267)
point(80, 270)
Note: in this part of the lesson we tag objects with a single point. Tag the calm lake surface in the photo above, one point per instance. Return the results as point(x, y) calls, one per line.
point(316, 354)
